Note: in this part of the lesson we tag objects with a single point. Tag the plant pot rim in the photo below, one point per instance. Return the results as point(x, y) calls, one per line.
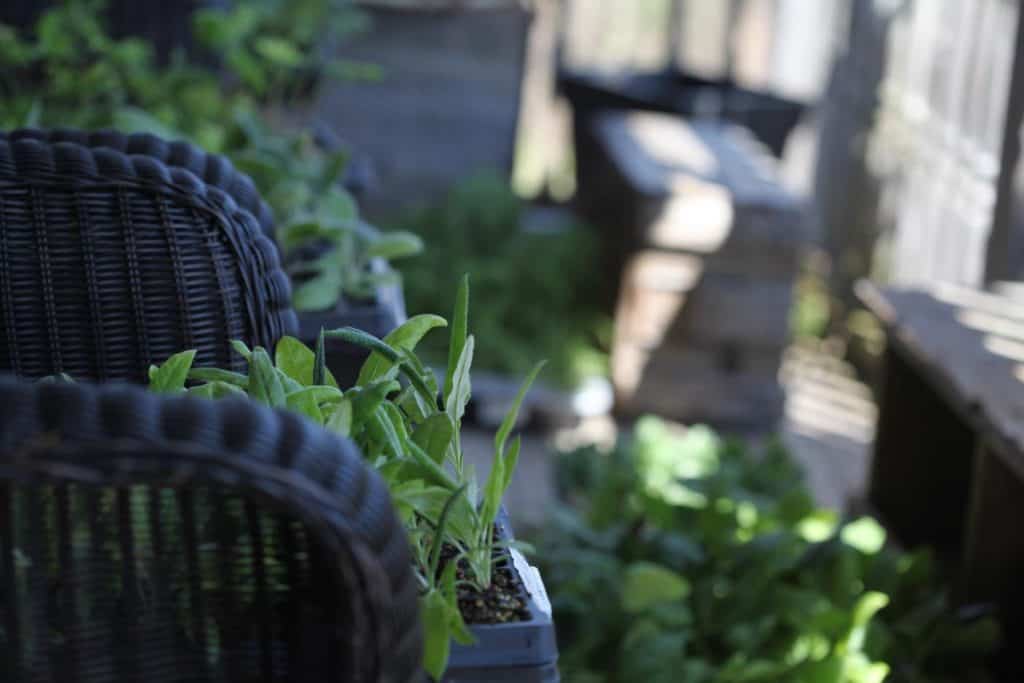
point(524, 646)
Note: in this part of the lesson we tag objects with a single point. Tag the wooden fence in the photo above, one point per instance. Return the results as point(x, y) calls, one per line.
point(918, 153)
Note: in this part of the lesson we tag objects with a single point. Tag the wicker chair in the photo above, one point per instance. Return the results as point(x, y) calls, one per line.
point(174, 539)
point(117, 251)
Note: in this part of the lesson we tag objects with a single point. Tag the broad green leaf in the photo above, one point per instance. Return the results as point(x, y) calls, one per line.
point(458, 397)
point(647, 585)
point(395, 245)
point(337, 204)
point(434, 436)
point(170, 377)
point(386, 431)
point(864, 534)
point(320, 293)
point(459, 332)
point(304, 402)
point(217, 375)
point(264, 383)
point(405, 336)
point(436, 633)
point(216, 389)
point(513, 413)
point(366, 400)
point(340, 419)
point(279, 51)
point(293, 358)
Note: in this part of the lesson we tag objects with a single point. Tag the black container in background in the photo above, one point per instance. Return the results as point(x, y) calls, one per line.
point(770, 118)
point(378, 317)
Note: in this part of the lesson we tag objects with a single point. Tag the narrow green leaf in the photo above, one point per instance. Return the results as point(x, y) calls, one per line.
point(458, 397)
point(513, 413)
point(511, 462)
point(170, 377)
point(241, 349)
point(217, 375)
point(491, 503)
point(319, 359)
point(439, 533)
point(437, 640)
point(457, 340)
point(366, 340)
point(264, 383)
point(405, 336)
point(395, 245)
point(428, 469)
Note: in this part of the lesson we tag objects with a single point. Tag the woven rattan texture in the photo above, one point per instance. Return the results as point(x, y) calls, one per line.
point(147, 538)
point(213, 169)
point(110, 262)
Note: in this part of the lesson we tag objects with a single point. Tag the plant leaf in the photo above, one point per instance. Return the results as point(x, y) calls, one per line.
point(513, 413)
point(647, 584)
point(457, 339)
point(395, 245)
point(434, 435)
point(340, 420)
point(264, 383)
point(436, 636)
point(170, 377)
point(458, 397)
point(405, 336)
point(217, 375)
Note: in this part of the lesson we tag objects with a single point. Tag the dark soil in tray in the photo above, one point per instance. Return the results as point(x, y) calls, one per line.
point(502, 602)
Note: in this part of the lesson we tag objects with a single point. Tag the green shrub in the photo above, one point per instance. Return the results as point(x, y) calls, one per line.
point(536, 292)
point(690, 558)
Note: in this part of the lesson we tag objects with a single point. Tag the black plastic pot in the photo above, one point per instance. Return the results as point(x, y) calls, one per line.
point(769, 117)
point(378, 316)
point(524, 651)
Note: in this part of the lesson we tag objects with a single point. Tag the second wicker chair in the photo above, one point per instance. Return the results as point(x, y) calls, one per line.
point(115, 254)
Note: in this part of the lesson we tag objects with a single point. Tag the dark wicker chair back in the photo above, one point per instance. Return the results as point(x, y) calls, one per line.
point(115, 254)
point(178, 540)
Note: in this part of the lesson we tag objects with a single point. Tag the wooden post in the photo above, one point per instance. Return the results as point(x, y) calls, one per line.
point(997, 252)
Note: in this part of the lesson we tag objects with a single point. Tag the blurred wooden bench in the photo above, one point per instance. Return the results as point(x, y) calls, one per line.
point(948, 467)
point(707, 242)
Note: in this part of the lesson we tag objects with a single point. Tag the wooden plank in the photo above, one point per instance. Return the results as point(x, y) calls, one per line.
point(969, 346)
point(669, 296)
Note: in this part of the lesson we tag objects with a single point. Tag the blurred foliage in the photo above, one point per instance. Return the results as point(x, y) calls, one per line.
point(811, 315)
point(536, 291)
point(69, 72)
point(685, 557)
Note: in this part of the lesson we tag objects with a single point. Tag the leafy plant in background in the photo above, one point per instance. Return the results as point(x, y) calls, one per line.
point(689, 558)
point(70, 73)
point(537, 291)
point(276, 48)
point(410, 437)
